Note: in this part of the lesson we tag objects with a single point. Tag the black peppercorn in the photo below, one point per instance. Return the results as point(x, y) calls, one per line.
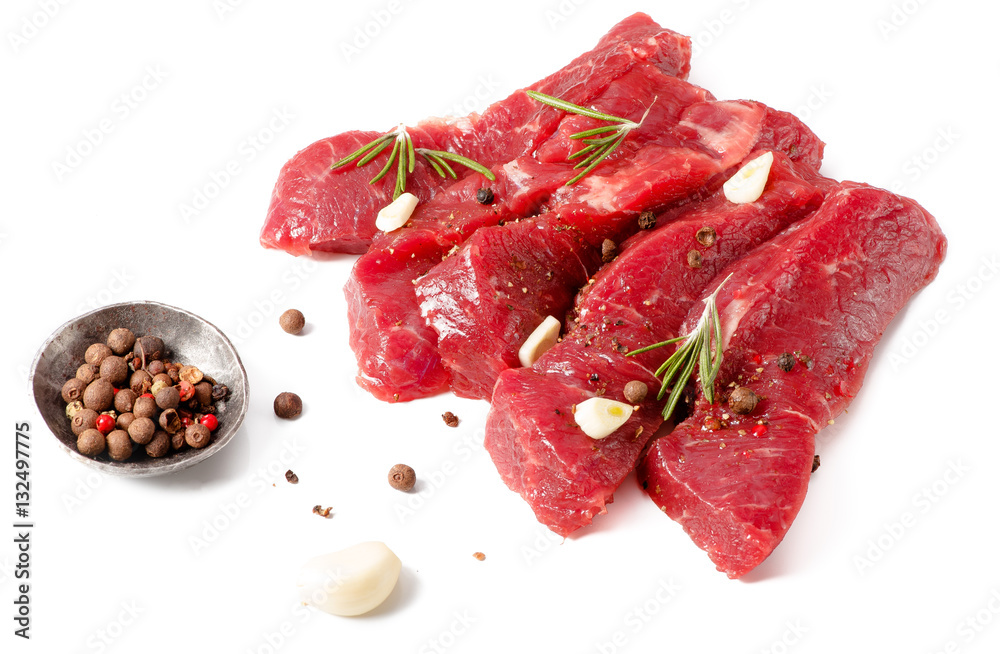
point(484, 196)
point(287, 405)
point(743, 400)
point(647, 220)
point(786, 361)
point(292, 321)
point(220, 392)
point(402, 477)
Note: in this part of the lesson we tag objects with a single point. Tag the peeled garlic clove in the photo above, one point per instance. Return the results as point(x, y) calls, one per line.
point(395, 215)
point(748, 182)
point(350, 582)
point(540, 340)
point(599, 417)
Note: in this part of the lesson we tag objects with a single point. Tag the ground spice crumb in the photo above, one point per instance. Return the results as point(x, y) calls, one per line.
point(291, 477)
point(450, 419)
point(479, 556)
point(320, 511)
point(647, 220)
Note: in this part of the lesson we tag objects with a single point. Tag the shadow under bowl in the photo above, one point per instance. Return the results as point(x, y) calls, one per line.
point(188, 338)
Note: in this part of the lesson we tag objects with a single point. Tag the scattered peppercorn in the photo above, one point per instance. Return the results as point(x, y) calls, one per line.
point(450, 419)
point(190, 374)
point(694, 259)
point(479, 556)
point(292, 321)
point(220, 392)
point(635, 391)
point(647, 220)
point(711, 423)
point(786, 361)
point(706, 236)
point(608, 250)
point(815, 463)
point(320, 511)
point(121, 341)
point(484, 196)
point(104, 424)
point(291, 477)
point(402, 477)
point(287, 405)
point(743, 400)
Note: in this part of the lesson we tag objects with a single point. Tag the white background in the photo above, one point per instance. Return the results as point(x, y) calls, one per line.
point(903, 93)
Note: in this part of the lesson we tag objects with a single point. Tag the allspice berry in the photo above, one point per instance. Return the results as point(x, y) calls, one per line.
point(203, 393)
point(742, 400)
point(177, 440)
point(197, 435)
point(402, 477)
point(114, 370)
point(140, 382)
point(144, 407)
point(287, 405)
point(292, 321)
point(119, 445)
point(88, 372)
point(124, 399)
point(159, 446)
point(73, 390)
point(124, 420)
point(149, 347)
point(141, 430)
point(635, 391)
point(168, 398)
point(121, 341)
point(99, 395)
point(694, 259)
point(90, 443)
point(156, 368)
point(170, 421)
point(82, 421)
point(97, 353)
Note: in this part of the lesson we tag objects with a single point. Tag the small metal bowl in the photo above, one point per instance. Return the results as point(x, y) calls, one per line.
point(189, 339)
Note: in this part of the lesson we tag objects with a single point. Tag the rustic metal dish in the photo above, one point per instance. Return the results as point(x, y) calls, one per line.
point(188, 338)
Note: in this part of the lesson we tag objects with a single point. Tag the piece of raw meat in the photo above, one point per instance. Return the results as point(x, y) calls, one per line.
point(479, 336)
point(396, 349)
point(314, 208)
point(641, 297)
point(800, 319)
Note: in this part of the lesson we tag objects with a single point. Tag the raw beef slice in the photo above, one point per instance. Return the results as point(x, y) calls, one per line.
point(314, 208)
point(642, 297)
point(396, 350)
point(800, 319)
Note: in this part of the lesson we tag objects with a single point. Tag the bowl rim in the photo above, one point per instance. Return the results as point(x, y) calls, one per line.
point(165, 465)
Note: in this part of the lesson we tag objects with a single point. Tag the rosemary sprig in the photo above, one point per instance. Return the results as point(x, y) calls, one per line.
point(405, 153)
point(696, 349)
point(598, 148)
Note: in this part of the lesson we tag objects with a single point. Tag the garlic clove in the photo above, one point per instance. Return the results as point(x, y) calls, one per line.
point(351, 581)
point(539, 341)
point(599, 417)
point(748, 182)
point(395, 215)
